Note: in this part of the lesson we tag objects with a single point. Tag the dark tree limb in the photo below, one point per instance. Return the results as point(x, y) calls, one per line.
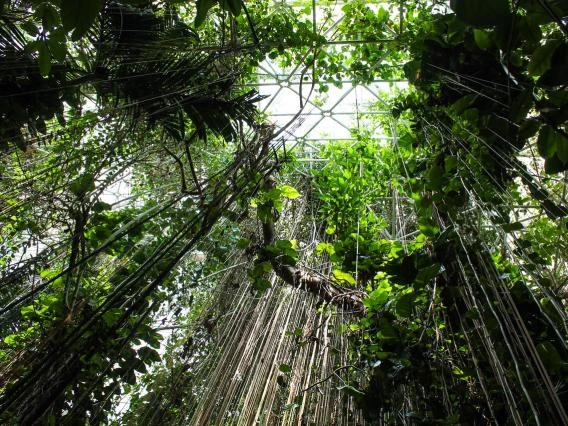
point(181, 169)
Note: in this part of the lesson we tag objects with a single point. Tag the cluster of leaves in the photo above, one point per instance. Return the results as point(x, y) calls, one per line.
point(132, 51)
point(349, 188)
point(416, 338)
point(467, 136)
point(269, 205)
point(521, 52)
point(95, 220)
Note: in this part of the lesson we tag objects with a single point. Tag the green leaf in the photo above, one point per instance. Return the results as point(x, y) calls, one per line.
point(562, 148)
point(541, 58)
point(243, 243)
point(79, 15)
point(554, 165)
point(44, 59)
point(463, 103)
point(264, 213)
point(148, 355)
point(101, 206)
point(203, 7)
point(343, 276)
point(436, 177)
point(529, 128)
point(428, 227)
point(482, 13)
point(521, 105)
point(58, 49)
point(82, 185)
point(327, 247)
point(427, 273)
point(551, 142)
point(28, 312)
point(260, 268)
point(11, 339)
point(450, 163)
point(510, 227)
point(289, 192)
point(386, 330)
point(549, 356)
point(112, 316)
point(48, 14)
point(285, 368)
point(379, 296)
point(557, 75)
point(482, 39)
point(404, 304)
point(30, 28)
point(233, 6)
point(261, 285)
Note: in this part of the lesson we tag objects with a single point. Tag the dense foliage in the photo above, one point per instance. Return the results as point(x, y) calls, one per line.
point(136, 171)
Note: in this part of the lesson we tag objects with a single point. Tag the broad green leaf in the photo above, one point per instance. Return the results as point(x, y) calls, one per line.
point(11, 339)
point(557, 75)
point(48, 14)
point(541, 58)
point(285, 368)
point(436, 177)
point(30, 28)
point(482, 39)
point(343, 276)
point(482, 13)
point(289, 192)
point(243, 243)
point(233, 6)
point(28, 311)
point(521, 105)
point(278, 205)
point(510, 227)
point(428, 227)
point(261, 285)
point(203, 7)
point(562, 148)
point(260, 268)
point(327, 247)
point(404, 303)
point(58, 49)
point(554, 165)
point(79, 15)
point(552, 142)
point(549, 356)
point(427, 273)
point(82, 185)
point(450, 163)
point(112, 316)
point(463, 103)
point(148, 355)
point(413, 71)
point(386, 330)
point(264, 213)
point(44, 59)
point(379, 296)
point(100, 206)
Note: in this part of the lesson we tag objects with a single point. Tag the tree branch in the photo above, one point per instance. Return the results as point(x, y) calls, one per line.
point(306, 280)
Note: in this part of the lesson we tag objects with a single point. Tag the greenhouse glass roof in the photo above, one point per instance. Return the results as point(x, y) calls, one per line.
point(312, 110)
